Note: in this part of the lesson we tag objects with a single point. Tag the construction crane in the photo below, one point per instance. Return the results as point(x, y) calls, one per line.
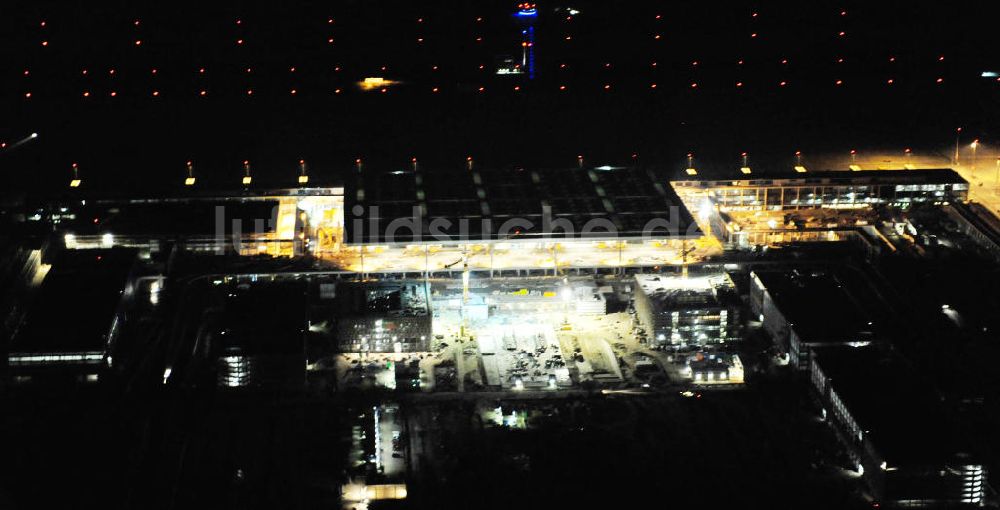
point(684, 257)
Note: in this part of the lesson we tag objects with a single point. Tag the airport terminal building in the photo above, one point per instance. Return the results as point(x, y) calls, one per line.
point(830, 190)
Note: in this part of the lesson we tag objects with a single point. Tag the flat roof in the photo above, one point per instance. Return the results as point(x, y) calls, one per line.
point(624, 199)
point(834, 177)
point(900, 413)
point(821, 306)
point(268, 318)
point(384, 299)
point(76, 302)
point(683, 292)
point(172, 218)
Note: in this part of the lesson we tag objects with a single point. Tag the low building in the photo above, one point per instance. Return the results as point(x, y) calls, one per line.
point(803, 310)
point(894, 429)
point(391, 316)
point(714, 369)
point(687, 310)
point(75, 317)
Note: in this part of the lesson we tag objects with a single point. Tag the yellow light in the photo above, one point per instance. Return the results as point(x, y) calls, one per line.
point(745, 170)
point(189, 181)
point(691, 171)
point(855, 168)
point(375, 82)
point(800, 169)
point(75, 183)
point(246, 180)
point(303, 179)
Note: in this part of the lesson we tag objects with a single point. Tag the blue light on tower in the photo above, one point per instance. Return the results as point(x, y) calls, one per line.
point(528, 13)
point(526, 10)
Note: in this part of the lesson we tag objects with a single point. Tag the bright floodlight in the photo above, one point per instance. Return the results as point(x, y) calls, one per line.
point(800, 169)
point(34, 135)
point(745, 170)
point(705, 209)
point(189, 181)
point(108, 240)
point(303, 179)
point(247, 180)
point(691, 171)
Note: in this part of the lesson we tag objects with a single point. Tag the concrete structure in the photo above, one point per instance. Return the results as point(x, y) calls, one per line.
point(280, 222)
point(74, 319)
point(389, 316)
point(687, 310)
point(257, 337)
point(714, 369)
point(828, 190)
point(895, 430)
point(801, 310)
point(502, 205)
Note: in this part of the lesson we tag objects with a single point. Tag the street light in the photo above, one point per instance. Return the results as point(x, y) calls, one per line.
point(690, 168)
point(246, 173)
point(974, 145)
point(76, 181)
point(798, 163)
point(303, 178)
point(189, 180)
point(997, 185)
point(958, 134)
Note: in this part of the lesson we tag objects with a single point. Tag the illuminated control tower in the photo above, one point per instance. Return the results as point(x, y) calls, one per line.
point(527, 14)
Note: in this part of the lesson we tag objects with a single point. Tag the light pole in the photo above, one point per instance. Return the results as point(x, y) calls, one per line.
point(189, 180)
point(958, 134)
point(996, 185)
point(303, 176)
point(76, 181)
point(974, 145)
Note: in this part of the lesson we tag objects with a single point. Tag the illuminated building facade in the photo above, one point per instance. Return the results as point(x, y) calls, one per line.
point(687, 310)
point(284, 222)
point(384, 316)
point(829, 190)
